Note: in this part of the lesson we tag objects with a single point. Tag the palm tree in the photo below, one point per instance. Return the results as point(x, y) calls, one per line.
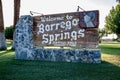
point(2, 35)
point(1, 18)
point(16, 11)
point(16, 17)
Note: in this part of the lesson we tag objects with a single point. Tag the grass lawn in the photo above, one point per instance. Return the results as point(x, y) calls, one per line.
point(109, 69)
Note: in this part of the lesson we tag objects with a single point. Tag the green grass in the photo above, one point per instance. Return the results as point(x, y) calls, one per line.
point(109, 69)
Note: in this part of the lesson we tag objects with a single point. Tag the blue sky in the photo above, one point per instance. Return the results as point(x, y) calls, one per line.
point(57, 6)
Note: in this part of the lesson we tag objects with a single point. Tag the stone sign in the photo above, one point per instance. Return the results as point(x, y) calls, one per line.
point(24, 48)
point(67, 29)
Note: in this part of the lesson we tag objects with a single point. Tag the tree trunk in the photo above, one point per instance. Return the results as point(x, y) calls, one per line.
point(16, 11)
point(2, 35)
point(16, 17)
point(1, 18)
point(118, 37)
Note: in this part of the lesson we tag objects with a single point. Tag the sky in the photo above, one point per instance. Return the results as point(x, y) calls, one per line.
point(57, 6)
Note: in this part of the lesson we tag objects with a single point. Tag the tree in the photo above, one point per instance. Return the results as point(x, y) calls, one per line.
point(113, 21)
point(16, 11)
point(9, 32)
point(1, 18)
point(2, 36)
point(118, 1)
point(16, 17)
point(101, 34)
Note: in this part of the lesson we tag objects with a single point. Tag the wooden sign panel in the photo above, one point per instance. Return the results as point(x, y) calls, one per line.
point(67, 29)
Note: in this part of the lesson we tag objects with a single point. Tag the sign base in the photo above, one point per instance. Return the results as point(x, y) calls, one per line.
point(63, 55)
point(69, 55)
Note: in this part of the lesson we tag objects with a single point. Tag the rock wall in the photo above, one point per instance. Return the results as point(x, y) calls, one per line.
point(23, 38)
point(68, 55)
point(25, 49)
point(2, 41)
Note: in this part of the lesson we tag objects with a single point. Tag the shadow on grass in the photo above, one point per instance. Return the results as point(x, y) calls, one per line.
point(111, 48)
point(12, 69)
point(43, 70)
point(111, 42)
point(6, 52)
point(9, 45)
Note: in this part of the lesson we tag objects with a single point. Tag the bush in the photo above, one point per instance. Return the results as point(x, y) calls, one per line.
point(9, 32)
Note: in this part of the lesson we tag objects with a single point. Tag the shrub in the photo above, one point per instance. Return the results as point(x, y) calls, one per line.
point(9, 32)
